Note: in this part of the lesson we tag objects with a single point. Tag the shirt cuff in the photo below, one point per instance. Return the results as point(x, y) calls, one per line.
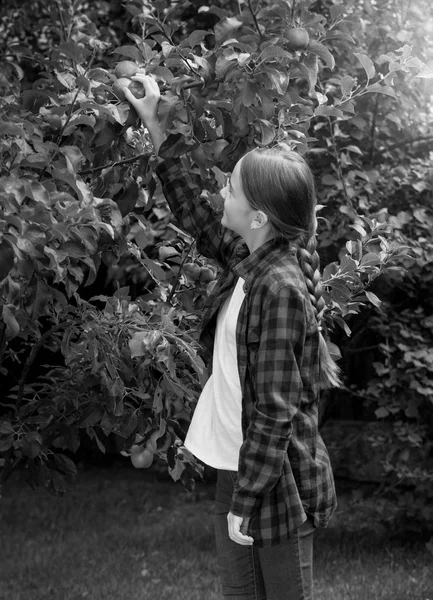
point(244, 506)
point(165, 167)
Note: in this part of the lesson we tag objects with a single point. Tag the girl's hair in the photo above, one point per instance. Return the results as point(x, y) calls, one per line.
point(280, 183)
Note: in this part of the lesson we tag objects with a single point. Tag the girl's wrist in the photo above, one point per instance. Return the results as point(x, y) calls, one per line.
point(156, 135)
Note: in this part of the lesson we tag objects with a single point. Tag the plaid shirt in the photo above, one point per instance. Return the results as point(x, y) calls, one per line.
point(284, 472)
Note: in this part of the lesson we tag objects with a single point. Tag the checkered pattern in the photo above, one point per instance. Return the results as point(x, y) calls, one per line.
point(284, 470)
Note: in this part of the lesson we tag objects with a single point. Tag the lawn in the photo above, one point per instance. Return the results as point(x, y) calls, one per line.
point(119, 534)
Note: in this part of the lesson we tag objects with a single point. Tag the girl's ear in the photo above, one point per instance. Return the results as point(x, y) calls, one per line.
point(260, 219)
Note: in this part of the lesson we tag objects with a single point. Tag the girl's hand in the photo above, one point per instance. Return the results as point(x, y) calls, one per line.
point(236, 526)
point(146, 107)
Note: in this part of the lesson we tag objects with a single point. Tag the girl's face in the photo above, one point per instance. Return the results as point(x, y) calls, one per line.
point(238, 213)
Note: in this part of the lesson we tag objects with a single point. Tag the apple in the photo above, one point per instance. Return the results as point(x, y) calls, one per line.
point(207, 274)
point(142, 460)
point(192, 271)
point(297, 38)
point(125, 68)
point(118, 86)
point(199, 156)
point(137, 89)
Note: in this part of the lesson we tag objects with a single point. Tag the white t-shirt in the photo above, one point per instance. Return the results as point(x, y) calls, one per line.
point(215, 433)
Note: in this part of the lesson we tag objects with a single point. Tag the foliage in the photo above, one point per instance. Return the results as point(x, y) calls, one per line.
point(79, 198)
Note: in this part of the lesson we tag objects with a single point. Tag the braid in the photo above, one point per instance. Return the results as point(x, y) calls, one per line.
point(309, 262)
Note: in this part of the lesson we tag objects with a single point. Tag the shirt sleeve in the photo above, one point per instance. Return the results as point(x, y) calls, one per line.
point(277, 388)
point(194, 213)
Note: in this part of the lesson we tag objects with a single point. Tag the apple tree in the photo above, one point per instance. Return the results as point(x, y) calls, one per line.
point(81, 204)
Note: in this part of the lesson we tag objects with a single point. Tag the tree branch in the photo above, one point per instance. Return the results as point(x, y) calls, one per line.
point(35, 349)
point(420, 138)
point(116, 163)
point(373, 128)
point(254, 15)
point(62, 22)
point(337, 160)
point(179, 273)
point(2, 340)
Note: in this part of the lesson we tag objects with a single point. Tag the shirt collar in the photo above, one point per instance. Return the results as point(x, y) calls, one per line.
point(265, 253)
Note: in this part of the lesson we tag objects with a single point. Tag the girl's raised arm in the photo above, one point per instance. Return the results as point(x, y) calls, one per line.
point(193, 213)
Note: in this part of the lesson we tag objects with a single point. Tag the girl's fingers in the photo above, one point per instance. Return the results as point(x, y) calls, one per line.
point(235, 527)
point(130, 96)
point(149, 83)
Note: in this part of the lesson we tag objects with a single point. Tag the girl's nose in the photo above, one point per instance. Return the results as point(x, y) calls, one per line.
point(223, 192)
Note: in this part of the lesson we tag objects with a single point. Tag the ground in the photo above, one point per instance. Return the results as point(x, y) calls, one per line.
point(124, 534)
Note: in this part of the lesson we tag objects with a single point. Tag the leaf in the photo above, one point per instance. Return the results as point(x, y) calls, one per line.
point(322, 52)
point(367, 63)
point(100, 445)
point(76, 183)
point(359, 229)
point(12, 325)
point(279, 80)
point(66, 79)
point(272, 52)
point(328, 111)
point(334, 350)
point(267, 131)
point(6, 439)
point(347, 84)
point(339, 290)
point(381, 413)
point(7, 128)
point(328, 179)
point(352, 148)
point(342, 323)
point(120, 112)
point(32, 444)
point(373, 299)
point(329, 271)
point(74, 157)
point(378, 88)
point(177, 470)
point(65, 464)
point(249, 93)
point(127, 198)
point(102, 75)
point(174, 146)
point(39, 193)
point(370, 259)
point(224, 27)
point(72, 50)
point(106, 135)
point(197, 36)
point(158, 404)
point(425, 73)
point(347, 265)
point(6, 428)
point(309, 69)
point(129, 51)
point(335, 34)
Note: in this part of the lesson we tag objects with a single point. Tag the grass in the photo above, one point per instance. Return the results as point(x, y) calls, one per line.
point(122, 535)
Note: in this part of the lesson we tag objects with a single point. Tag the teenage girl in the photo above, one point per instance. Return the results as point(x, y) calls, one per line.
point(256, 421)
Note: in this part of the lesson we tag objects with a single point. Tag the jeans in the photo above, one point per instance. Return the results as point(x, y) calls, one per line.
point(281, 572)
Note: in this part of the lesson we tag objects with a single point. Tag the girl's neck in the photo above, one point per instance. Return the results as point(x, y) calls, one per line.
point(257, 237)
